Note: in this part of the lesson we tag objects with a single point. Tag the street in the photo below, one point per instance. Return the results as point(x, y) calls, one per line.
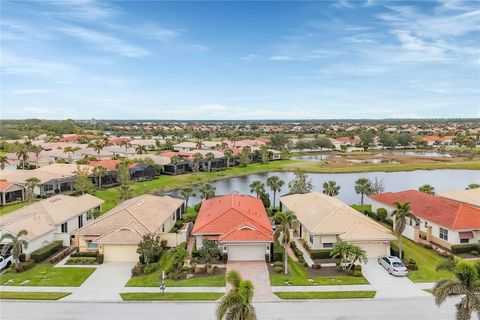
point(411, 309)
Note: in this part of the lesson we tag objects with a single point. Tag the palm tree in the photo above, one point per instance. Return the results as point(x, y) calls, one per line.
point(466, 284)
point(282, 232)
point(97, 146)
point(275, 184)
point(330, 188)
point(70, 151)
point(197, 157)
point(199, 143)
point(99, 173)
point(400, 214)
point(16, 243)
point(36, 150)
point(228, 153)
point(258, 187)
point(207, 191)
point(357, 254)
point(22, 155)
point(341, 250)
point(126, 144)
point(473, 186)
point(140, 149)
point(363, 186)
point(209, 157)
point(3, 162)
point(175, 160)
point(31, 184)
point(237, 303)
point(264, 153)
point(187, 192)
point(426, 188)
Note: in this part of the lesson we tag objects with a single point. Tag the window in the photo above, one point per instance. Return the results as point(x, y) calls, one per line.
point(464, 240)
point(163, 228)
point(64, 228)
point(47, 187)
point(80, 221)
point(92, 245)
point(311, 239)
point(328, 245)
point(443, 234)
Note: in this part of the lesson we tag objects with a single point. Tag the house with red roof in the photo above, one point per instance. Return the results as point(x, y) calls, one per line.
point(11, 192)
point(238, 223)
point(437, 140)
point(441, 221)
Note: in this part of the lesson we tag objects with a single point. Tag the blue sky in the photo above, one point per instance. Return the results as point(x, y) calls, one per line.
point(85, 59)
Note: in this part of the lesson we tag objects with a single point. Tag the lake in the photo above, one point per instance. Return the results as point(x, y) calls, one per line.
point(442, 180)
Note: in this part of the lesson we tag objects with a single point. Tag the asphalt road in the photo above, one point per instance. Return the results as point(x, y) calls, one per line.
point(408, 309)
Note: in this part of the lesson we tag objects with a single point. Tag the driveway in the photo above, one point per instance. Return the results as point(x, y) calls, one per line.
point(257, 272)
point(389, 286)
point(104, 284)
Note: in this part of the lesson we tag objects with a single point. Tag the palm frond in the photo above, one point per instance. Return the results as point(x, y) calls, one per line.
point(447, 264)
point(446, 288)
point(234, 278)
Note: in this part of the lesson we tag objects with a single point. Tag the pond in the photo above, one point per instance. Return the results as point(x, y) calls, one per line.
point(442, 180)
point(314, 157)
point(426, 154)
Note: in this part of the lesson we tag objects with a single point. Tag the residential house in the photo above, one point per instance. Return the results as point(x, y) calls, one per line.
point(437, 140)
point(469, 196)
point(323, 221)
point(238, 224)
point(117, 233)
point(185, 146)
point(55, 218)
point(11, 192)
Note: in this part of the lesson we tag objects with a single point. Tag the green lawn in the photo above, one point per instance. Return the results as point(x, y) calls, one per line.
point(12, 207)
point(362, 208)
point(152, 280)
point(326, 295)
point(171, 296)
point(47, 275)
point(33, 295)
point(298, 277)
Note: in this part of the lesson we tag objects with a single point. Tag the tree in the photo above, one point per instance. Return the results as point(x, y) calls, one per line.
point(99, 173)
point(22, 155)
point(126, 144)
point(284, 154)
point(123, 176)
point(16, 243)
point(466, 284)
point(175, 160)
point(82, 181)
point(323, 142)
point(97, 146)
point(209, 157)
point(179, 254)
point(282, 232)
point(149, 248)
point(400, 215)
point(228, 153)
point(208, 253)
point(348, 254)
point(30, 186)
point(70, 151)
point(257, 187)
point(187, 192)
point(3, 162)
point(197, 158)
point(363, 186)
point(426, 188)
point(36, 150)
point(237, 303)
point(139, 149)
point(300, 184)
point(330, 188)
point(207, 191)
point(377, 186)
point(264, 153)
point(278, 141)
point(244, 156)
point(233, 137)
point(275, 184)
point(366, 139)
point(470, 186)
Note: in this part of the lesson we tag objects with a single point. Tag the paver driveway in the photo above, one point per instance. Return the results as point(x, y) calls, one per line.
point(105, 283)
point(257, 272)
point(389, 286)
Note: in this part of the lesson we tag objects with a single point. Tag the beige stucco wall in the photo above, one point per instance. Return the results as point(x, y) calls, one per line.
point(119, 252)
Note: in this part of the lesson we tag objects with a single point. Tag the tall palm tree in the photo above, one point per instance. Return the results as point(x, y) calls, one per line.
point(140, 149)
point(3, 162)
point(175, 160)
point(207, 191)
point(197, 158)
point(342, 250)
point(400, 215)
point(466, 284)
point(282, 232)
point(258, 187)
point(126, 144)
point(99, 173)
point(228, 153)
point(426, 188)
point(36, 150)
point(209, 157)
point(22, 155)
point(330, 188)
point(275, 184)
point(237, 303)
point(70, 151)
point(31, 183)
point(363, 186)
point(187, 192)
point(97, 146)
point(16, 243)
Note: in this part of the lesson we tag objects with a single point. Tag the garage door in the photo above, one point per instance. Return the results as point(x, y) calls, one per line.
point(120, 253)
point(375, 249)
point(246, 252)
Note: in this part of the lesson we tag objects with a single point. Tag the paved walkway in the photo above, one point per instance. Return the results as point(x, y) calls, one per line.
point(359, 287)
point(257, 272)
point(104, 284)
point(388, 286)
point(174, 289)
point(306, 255)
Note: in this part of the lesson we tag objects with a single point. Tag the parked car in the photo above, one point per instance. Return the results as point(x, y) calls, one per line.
point(5, 261)
point(393, 265)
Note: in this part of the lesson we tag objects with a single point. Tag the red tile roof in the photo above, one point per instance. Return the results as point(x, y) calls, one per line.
point(437, 138)
point(442, 211)
point(110, 165)
point(234, 218)
point(4, 185)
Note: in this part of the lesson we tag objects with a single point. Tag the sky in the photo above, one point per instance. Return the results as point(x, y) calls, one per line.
point(83, 59)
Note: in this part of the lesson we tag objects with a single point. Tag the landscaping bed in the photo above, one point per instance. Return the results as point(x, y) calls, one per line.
point(326, 295)
point(171, 296)
point(33, 295)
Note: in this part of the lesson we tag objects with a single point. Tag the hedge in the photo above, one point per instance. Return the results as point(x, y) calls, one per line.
point(277, 252)
point(394, 251)
point(320, 254)
point(45, 252)
point(98, 256)
point(464, 248)
point(82, 260)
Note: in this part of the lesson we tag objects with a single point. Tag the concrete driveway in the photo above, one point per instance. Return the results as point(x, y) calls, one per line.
point(257, 272)
point(104, 284)
point(389, 286)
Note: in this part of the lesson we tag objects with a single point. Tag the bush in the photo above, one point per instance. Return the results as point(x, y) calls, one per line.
point(389, 222)
point(45, 252)
point(373, 215)
point(277, 252)
point(394, 251)
point(151, 267)
point(357, 267)
point(351, 272)
point(464, 248)
point(197, 207)
point(357, 273)
point(278, 264)
point(99, 257)
point(24, 266)
point(22, 257)
point(474, 253)
point(320, 254)
point(224, 257)
point(137, 269)
point(382, 214)
point(278, 269)
point(163, 243)
point(428, 246)
point(82, 260)
point(317, 266)
point(412, 264)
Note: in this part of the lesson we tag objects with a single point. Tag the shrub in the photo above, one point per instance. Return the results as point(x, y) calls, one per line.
point(163, 243)
point(317, 266)
point(357, 273)
point(373, 215)
point(320, 254)
point(474, 253)
point(197, 207)
point(97, 256)
point(151, 267)
point(412, 264)
point(45, 252)
point(278, 264)
point(389, 222)
point(277, 252)
point(24, 266)
point(428, 246)
point(350, 272)
point(278, 269)
point(137, 269)
point(382, 214)
point(100, 259)
point(82, 260)
point(394, 250)
point(464, 248)
point(224, 257)
point(357, 267)
point(22, 257)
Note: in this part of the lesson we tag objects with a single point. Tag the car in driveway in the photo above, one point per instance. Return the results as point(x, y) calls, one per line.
point(5, 261)
point(393, 265)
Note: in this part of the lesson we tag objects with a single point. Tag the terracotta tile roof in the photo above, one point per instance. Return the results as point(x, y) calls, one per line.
point(448, 213)
point(470, 196)
point(437, 138)
point(4, 185)
point(234, 218)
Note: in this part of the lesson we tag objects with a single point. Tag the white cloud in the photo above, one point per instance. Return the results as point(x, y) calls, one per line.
point(280, 58)
point(343, 4)
point(211, 107)
point(15, 65)
point(249, 57)
point(30, 91)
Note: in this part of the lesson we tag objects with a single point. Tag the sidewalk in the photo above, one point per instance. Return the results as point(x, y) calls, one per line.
point(173, 289)
point(359, 287)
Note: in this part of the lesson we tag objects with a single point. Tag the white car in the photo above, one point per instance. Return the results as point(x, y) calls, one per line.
point(393, 265)
point(5, 261)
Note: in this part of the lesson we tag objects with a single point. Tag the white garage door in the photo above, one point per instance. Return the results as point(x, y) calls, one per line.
point(246, 252)
point(375, 249)
point(120, 253)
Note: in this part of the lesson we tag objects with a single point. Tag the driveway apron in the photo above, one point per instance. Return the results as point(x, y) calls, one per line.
point(257, 272)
